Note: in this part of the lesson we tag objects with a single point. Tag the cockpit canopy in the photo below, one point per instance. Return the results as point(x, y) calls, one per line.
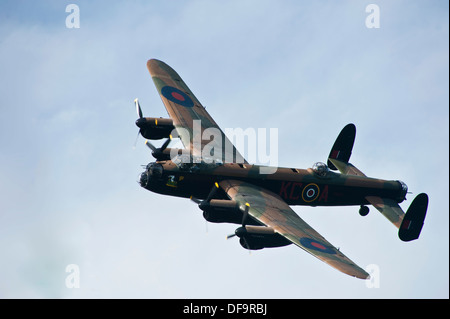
point(187, 162)
point(320, 169)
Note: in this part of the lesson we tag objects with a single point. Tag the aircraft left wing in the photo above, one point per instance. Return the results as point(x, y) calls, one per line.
point(270, 210)
point(189, 117)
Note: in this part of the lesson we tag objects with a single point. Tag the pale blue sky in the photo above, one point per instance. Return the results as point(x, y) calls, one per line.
point(68, 191)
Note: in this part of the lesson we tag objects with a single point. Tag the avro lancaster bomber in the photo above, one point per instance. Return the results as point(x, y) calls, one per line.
point(228, 189)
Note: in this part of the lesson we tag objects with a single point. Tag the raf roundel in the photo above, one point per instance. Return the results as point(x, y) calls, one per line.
point(316, 245)
point(310, 192)
point(177, 96)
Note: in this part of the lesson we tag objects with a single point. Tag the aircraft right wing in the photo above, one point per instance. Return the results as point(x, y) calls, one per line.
point(189, 117)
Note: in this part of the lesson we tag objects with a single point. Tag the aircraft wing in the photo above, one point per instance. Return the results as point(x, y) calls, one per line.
point(270, 210)
point(190, 117)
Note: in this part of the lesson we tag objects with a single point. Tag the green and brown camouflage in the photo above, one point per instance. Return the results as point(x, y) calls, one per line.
point(229, 189)
point(273, 212)
point(186, 111)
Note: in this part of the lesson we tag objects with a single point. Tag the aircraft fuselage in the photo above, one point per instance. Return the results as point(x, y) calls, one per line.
point(294, 186)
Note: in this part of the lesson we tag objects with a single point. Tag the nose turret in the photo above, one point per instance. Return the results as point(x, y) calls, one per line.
point(152, 171)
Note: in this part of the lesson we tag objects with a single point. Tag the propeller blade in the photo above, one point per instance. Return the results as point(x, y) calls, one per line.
point(166, 143)
point(138, 108)
point(246, 245)
point(212, 192)
point(195, 200)
point(230, 236)
point(150, 145)
point(245, 214)
point(135, 141)
point(203, 203)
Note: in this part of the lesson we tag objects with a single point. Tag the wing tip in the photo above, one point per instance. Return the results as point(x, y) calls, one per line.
point(152, 63)
point(348, 267)
point(359, 273)
point(364, 277)
point(159, 68)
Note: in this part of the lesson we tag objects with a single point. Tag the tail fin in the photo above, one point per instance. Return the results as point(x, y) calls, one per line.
point(413, 221)
point(342, 150)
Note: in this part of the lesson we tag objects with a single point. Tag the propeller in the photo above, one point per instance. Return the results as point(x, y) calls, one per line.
point(211, 194)
point(244, 219)
point(139, 113)
point(158, 153)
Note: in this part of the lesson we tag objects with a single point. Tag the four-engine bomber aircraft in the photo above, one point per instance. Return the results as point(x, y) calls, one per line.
point(230, 190)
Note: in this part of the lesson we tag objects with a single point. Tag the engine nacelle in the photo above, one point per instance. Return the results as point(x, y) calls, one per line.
point(224, 211)
point(167, 153)
point(155, 128)
point(221, 211)
point(259, 237)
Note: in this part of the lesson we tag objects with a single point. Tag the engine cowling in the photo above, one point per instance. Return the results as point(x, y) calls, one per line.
point(259, 237)
point(221, 211)
point(155, 128)
point(167, 153)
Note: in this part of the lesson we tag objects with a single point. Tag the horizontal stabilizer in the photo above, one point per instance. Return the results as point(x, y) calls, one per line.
point(413, 221)
point(389, 208)
point(346, 168)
